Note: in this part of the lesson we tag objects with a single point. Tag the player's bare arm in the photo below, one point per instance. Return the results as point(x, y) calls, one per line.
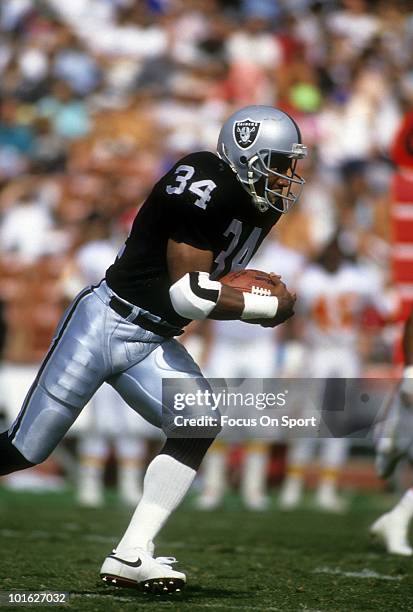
point(189, 271)
point(184, 259)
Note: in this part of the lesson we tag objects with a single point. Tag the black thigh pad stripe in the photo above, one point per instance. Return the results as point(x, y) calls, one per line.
point(211, 295)
point(46, 359)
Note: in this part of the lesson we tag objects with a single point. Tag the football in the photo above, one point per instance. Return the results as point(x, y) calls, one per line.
point(251, 281)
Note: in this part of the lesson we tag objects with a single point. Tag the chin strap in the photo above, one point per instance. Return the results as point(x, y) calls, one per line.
point(259, 201)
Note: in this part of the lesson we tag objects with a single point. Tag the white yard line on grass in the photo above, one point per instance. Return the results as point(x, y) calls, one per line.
point(40, 535)
point(362, 574)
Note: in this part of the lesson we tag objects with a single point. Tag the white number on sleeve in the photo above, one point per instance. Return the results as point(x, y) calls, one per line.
point(182, 179)
point(203, 189)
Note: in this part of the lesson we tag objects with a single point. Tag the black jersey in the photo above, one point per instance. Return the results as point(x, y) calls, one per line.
point(199, 202)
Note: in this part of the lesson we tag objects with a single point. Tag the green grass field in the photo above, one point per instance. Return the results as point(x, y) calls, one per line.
point(235, 560)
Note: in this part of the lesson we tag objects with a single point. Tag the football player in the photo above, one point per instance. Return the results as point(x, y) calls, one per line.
point(207, 216)
point(333, 293)
point(395, 443)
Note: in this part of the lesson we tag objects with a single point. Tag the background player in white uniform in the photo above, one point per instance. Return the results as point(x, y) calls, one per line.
point(395, 443)
point(333, 293)
point(238, 351)
point(107, 420)
point(206, 216)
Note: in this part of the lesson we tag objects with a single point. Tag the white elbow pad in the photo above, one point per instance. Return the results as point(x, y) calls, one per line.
point(195, 295)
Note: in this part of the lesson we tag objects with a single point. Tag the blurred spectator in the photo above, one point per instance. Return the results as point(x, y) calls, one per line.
point(24, 228)
point(48, 153)
point(14, 134)
point(68, 115)
point(253, 52)
point(12, 12)
point(354, 25)
point(265, 9)
point(73, 65)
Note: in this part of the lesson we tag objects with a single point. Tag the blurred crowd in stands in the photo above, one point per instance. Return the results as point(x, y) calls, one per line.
point(99, 97)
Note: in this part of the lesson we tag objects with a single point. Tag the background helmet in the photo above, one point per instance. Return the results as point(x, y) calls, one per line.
point(259, 142)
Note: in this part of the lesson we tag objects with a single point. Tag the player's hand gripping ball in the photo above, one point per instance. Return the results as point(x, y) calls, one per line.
point(262, 283)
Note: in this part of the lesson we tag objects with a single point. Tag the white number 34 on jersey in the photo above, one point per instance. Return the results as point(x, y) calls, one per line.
point(202, 189)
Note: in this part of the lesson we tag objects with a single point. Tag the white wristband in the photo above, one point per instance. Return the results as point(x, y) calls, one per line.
point(259, 306)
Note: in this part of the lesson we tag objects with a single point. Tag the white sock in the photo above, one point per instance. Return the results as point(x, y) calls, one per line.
point(404, 509)
point(293, 483)
point(327, 487)
point(253, 476)
point(165, 484)
point(90, 481)
point(214, 472)
point(130, 452)
point(130, 481)
point(334, 452)
point(301, 451)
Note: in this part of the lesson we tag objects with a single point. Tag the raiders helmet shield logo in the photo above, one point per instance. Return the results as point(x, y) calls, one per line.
point(246, 132)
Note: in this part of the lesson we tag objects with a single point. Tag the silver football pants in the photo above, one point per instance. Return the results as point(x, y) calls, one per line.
point(94, 344)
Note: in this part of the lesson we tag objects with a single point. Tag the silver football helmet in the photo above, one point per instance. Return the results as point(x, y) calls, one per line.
point(261, 143)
